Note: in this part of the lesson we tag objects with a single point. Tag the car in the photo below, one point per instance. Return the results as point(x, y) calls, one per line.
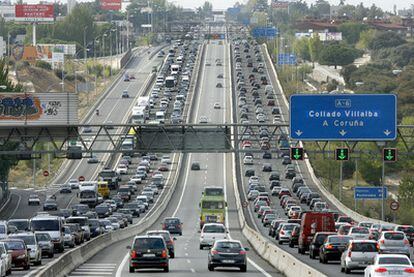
point(65, 188)
point(50, 205)
point(74, 183)
point(21, 225)
point(148, 252)
point(394, 242)
point(391, 265)
point(267, 167)
point(45, 243)
point(87, 129)
point(408, 231)
point(220, 76)
point(285, 232)
point(125, 94)
point(19, 252)
point(252, 195)
point(359, 232)
point(212, 232)
point(163, 167)
point(316, 242)
point(29, 238)
point(166, 159)
point(294, 237)
point(93, 159)
point(173, 225)
point(6, 259)
point(227, 253)
point(332, 248)
point(33, 200)
point(122, 169)
point(165, 234)
point(217, 105)
point(195, 166)
point(248, 160)
point(203, 119)
point(358, 254)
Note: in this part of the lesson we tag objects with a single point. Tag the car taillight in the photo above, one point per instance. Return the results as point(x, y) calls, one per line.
point(214, 252)
point(164, 254)
point(409, 270)
point(282, 232)
point(329, 246)
point(163, 226)
point(133, 254)
point(242, 252)
point(382, 241)
point(406, 241)
point(381, 270)
point(349, 254)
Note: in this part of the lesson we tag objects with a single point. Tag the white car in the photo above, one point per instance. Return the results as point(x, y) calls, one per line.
point(359, 232)
point(217, 105)
point(212, 232)
point(74, 183)
point(293, 210)
point(252, 195)
point(122, 169)
point(33, 200)
point(248, 160)
point(166, 160)
point(390, 265)
point(136, 179)
point(6, 260)
point(203, 119)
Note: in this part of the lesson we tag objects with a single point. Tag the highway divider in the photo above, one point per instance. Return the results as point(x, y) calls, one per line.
point(267, 250)
point(70, 260)
point(341, 207)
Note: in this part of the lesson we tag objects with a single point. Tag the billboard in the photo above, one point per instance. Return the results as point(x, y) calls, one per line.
point(45, 51)
point(303, 35)
point(280, 4)
point(38, 109)
point(34, 12)
point(111, 5)
point(330, 36)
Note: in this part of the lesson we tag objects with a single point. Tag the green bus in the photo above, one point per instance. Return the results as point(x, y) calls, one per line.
point(212, 207)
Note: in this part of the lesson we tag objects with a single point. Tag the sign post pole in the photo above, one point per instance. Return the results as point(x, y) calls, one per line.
point(34, 33)
point(341, 180)
point(356, 181)
point(382, 187)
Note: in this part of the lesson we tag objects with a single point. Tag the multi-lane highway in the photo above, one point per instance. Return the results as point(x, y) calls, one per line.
point(216, 170)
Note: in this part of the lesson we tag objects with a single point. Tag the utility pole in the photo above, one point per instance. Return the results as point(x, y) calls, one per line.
point(84, 44)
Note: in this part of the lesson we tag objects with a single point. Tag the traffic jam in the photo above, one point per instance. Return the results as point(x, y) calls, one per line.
point(290, 212)
point(121, 196)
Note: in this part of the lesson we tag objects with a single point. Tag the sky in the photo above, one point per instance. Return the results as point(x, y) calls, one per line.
point(223, 4)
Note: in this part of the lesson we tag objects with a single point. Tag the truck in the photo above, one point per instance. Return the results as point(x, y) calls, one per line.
point(128, 145)
point(139, 115)
point(110, 176)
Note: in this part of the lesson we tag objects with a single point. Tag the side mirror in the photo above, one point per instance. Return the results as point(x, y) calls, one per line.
point(174, 238)
point(128, 247)
point(247, 249)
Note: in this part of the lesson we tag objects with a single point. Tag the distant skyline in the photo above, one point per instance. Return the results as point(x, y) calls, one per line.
point(386, 5)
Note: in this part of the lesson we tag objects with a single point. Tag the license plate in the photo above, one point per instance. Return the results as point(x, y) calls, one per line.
point(228, 261)
point(149, 255)
point(395, 272)
point(171, 227)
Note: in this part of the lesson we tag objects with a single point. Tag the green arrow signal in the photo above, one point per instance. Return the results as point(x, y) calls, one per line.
point(297, 155)
point(342, 155)
point(389, 155)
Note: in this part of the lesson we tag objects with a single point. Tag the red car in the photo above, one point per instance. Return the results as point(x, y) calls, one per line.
point(19, 252)
point(163, 167)
point(284, 192)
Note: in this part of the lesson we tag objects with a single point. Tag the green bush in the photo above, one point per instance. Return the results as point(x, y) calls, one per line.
point(44, 65)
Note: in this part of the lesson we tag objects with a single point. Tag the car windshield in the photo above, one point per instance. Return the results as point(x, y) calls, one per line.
point(393, 261)
point(212, 205)
point(339, 239)
point(20, 224)
point(28, 240)
point(82, 221)
point(228, 244)
point(43, 237)
point(213, 191)
point(394, 236)
point(288, 227)
point(320, 238)
point(364, 247)
point(45, 225)
point(101, 209)
point(14, 245)
point(148, 243)
point(214, 229)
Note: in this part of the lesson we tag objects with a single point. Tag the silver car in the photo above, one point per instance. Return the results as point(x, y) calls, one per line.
point(6, 259)
point(394, 242)
point(358, 255)
point(359, 233)
point(285, 232)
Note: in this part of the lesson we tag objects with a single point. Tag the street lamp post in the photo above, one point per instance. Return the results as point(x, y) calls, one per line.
point(84, 44)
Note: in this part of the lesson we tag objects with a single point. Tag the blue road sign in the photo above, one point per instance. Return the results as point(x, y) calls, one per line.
point(286, 59)
point(233, 11)
point(352, 117)
point(369, 192)
point(265, 32)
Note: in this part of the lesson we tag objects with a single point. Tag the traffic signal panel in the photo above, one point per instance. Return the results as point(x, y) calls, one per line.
point(389, 154)
point(296, 153)
point(342, 154)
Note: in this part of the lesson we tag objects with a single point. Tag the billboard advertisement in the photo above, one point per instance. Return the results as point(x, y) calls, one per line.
point(111, 5)
point(38, 109)
point(44, 51)
point(34, 12)
point(330, 36)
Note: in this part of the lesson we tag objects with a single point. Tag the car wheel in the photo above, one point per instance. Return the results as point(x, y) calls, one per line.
point(9, 271)
point(280, 242)
point(131, 269)
point(172, 255)
point(291, 245)
point(51, 255)
point(311, 254)
point(166, 269)
point(210, 267)
point(243, 268)
point(201, 247)
point(347, 271)
point(38, 262)
point(26, 267)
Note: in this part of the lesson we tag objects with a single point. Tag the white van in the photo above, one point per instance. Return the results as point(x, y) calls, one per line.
point(160, 117)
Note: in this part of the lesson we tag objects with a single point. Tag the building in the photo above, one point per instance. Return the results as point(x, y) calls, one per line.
point(7, 12)
point(71, 4)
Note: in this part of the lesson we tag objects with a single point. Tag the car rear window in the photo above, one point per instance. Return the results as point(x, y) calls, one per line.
point(359, 231)
point(394, 236)
point(320, 238)
point(364, 247)
point(406, 229)
point(339, 239)
point(214, 229)
point(165, 236)
point(149, 243)
point(172, 221)
point(393, 260)
point(14, 245)
point(228, 244)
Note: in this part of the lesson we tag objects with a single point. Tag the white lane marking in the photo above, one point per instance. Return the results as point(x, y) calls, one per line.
point(188, 261)
point(192, 270)
point(17, 206)
point(226, 209)
point(121, 266)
